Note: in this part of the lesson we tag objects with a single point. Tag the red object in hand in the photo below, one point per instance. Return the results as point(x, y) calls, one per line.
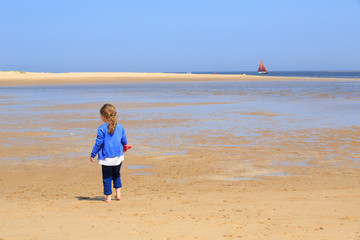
point(126, 147)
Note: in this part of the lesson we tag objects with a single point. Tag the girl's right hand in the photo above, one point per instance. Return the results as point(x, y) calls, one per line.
point(91, 159)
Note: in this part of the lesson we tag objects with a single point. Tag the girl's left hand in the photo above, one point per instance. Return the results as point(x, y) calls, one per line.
point(91, 159)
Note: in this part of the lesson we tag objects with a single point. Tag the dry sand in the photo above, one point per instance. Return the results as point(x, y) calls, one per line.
point(184, 196)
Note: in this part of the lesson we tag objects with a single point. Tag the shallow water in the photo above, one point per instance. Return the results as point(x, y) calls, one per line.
point(243, 178)
point(160, 118)
point(137, 166)
point(294, 164)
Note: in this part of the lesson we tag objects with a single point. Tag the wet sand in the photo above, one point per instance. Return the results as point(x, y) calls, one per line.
point(301, 184)
point(188, 197)
point(16, 78)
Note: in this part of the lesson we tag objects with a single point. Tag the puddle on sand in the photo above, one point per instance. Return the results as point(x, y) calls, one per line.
point(354, 159)
point(258, 177)
point(175, 153)
point(157, 150)
point(141, 174)
point(276, 174)
point(138, 166)
point(294, 164)
point(38, 157)
point(243, 178)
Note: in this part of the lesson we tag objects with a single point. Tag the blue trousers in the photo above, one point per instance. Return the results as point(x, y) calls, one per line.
point(109, 174)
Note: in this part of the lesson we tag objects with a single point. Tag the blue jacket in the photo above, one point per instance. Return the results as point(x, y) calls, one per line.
point(109, 145)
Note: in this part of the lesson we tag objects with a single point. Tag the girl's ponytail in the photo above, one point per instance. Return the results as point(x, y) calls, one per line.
point(108, 111)
point(112, 123)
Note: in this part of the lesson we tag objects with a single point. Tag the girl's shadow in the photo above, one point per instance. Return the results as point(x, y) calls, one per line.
point(97, 198)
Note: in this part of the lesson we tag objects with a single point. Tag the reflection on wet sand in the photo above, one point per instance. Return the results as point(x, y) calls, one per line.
point(172, 118)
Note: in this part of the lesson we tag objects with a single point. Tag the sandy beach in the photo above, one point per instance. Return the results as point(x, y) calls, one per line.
point(18, 78)
point(300, 184)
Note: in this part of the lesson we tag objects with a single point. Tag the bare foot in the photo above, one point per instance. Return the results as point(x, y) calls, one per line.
point(107, 199)
point(118, 194)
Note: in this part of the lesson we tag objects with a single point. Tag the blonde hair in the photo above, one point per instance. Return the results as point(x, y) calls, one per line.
point(108, 111)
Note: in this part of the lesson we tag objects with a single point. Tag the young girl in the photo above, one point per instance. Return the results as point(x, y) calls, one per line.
point(109, 145)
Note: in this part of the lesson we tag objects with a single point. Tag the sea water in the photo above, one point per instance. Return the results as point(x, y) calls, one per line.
point(317, 74)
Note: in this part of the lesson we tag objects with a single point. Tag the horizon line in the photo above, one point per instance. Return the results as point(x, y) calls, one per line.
point(206, 71)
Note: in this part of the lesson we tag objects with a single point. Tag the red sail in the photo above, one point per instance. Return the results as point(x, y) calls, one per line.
point(262, 68)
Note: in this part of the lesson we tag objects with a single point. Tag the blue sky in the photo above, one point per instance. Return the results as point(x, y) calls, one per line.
point(175, 36)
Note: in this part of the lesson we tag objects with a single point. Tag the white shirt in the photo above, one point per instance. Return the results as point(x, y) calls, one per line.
point(111, 161)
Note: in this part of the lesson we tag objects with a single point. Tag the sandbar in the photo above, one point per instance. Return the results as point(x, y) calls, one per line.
point(18, 78)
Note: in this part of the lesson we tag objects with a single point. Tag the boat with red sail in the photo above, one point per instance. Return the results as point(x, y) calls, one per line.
point(262, 69)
